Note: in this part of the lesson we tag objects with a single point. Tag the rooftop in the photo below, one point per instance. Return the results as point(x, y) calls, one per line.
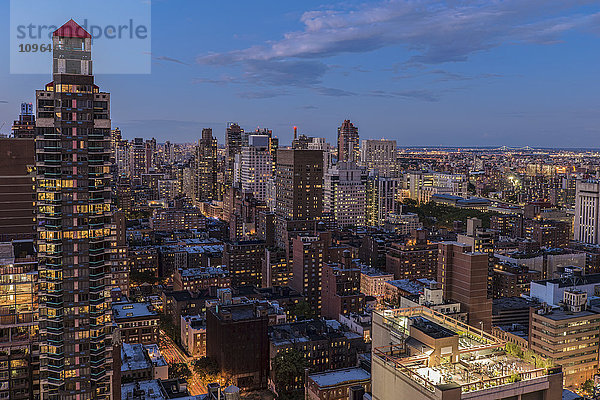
point(481, 361)
point(127, 310)
point(340, 376)
point(133, 357)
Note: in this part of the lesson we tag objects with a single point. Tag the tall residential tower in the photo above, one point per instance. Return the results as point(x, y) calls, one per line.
point(74, 224)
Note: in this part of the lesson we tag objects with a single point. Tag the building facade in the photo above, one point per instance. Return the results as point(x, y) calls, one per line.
point(74, 216)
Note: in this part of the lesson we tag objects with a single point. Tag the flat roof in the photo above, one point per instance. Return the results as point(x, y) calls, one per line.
point(430, 328)
point(340, 376)
point(126, 310)
point(559, 315)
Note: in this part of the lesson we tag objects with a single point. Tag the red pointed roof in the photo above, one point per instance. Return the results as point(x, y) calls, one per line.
point(73, 30)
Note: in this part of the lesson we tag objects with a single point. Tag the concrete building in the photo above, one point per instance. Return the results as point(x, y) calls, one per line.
point(236, 337)
point(348, 143)
point(416, 258)
point(299, 192)
point(382, 198)
point(142, 362)
point(379, 155)
point(193, 334)
point(419, 354)
point(17, 194)
point(19, 346)
point(233, 146)
point(568, 336)
point(243, 260)
point(157, 389)
point(24, 127)
point(338, 384)
point(138, 322)
point(372, 281)
point(197, 279)
point(309, 256)
point(325, 345)
point(74, 214)
point(587, 212)
point(340, 289)
point(345, 194)
point(256, 167)
point(463, 275)
point(206, 168)
point(421, 185)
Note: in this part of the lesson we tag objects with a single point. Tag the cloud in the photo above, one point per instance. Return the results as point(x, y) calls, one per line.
point(284, 72)
point(169, 59)
point(309, 107)
point(3, 102)
point(433, 31)
point(262, 94)
point(438, 31)
point(326, 91)
point(165, 58)
point(423, 95)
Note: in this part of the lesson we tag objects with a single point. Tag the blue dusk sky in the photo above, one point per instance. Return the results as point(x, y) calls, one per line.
point(425, 73)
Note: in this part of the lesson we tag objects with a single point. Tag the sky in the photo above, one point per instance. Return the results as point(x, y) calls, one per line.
point(423, 72)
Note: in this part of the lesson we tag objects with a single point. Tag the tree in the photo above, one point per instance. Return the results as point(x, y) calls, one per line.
point(207, 369)
point(588, 386)
point(301, 310)
point(288, 373)
point(179, 370)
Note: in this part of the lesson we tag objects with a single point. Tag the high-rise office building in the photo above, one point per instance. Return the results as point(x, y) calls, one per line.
point(256, 166)
point(24, 127)
point(463, 275)
point(233, 146)
point(74, 224)
point(345, 194)
point(299, 184)
point(348, 142)
point(206, 167)
point(139, 162)
point(587, 212)
point(299, 192)
point(382, 194)
point(379, 155)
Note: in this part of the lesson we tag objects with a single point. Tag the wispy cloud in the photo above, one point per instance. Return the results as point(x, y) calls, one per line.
point(433, 31)
point(3, 102)
point(165, 58)
point(327, 91)
point(262, 94)
point(170, 59)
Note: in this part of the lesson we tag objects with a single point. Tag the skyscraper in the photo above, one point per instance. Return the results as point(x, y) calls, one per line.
point(345, 194)
point(379, 155)
point(206, 167)
point(233, 146)
point(299, 192)
point(587, 212)
point(256, 167)
point(348, 143)
point(74, 224)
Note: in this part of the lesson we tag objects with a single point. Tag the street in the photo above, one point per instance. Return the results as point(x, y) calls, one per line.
point(173, 354)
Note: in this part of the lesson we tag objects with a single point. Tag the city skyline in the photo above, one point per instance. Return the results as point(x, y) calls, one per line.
point(529, 81)
point(242, 263)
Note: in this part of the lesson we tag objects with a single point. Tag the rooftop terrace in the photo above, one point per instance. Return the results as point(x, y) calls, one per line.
point(480, 361)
